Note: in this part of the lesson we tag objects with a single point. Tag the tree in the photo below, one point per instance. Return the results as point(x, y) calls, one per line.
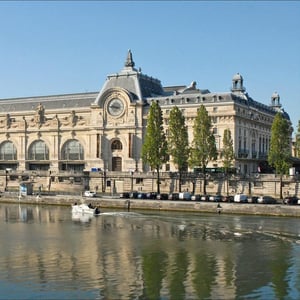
point(203, 147)
point(280, 150)
point(297, 144)
point(178, 142)
point(227, 153)
point(154, 150)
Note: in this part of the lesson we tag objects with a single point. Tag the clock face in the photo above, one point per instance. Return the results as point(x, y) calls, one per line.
point(115, 107)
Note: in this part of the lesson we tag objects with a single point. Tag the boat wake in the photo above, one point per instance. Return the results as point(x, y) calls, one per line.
point(121, 214)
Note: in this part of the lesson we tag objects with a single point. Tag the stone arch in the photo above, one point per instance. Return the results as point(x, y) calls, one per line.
point(116, 147)
point(38, 150)
point(116, 144)
point(8, 151)
point(118, 92)
point(72, 150)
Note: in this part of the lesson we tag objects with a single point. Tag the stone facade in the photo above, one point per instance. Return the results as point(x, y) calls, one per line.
point(66, 136)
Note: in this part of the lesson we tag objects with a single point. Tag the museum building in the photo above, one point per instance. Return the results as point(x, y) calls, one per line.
point(105, 130)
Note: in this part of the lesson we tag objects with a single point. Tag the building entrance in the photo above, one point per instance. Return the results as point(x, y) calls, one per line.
point(117, 164)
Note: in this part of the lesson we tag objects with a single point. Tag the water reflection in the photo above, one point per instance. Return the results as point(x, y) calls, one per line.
point(81, 217)
point(50, 253)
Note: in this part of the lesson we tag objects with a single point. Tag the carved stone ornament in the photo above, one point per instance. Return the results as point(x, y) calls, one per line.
point(39, 117)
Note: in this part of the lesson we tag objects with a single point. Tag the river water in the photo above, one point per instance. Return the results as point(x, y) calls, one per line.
point(46, 253)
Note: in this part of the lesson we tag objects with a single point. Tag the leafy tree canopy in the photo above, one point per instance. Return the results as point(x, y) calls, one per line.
point(178, 143)
point(280, 150)
point(203, 146)
point(154, 150)
point(227, 151)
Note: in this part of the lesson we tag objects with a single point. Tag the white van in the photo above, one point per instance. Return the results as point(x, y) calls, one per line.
point(185, 196)
point(240, 198)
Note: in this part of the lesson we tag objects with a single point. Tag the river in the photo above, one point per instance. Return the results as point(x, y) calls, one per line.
point(47, 253)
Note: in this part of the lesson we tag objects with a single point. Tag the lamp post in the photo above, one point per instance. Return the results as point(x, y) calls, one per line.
point(104, 181)
point(131, 186)
point(6, 172)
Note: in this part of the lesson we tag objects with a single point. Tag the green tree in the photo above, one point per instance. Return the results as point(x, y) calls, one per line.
point(154, 150)
point(203, 147)
point(280, 150)
point(297, 144)
point(178, 141)
point(227, 153)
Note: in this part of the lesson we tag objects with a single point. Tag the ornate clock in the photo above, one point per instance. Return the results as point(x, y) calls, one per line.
point(115, 107)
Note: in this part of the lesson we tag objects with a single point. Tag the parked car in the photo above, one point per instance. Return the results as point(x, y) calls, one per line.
point(205, 198)
point(252, 199)
point(174, 196)
point(196, 197)
point(266, 200)
point(185, 196)
point(142, 195)
point(240, 198)
point(215, 198)
point(124, 195)
point(89, 194)
point(151, 195)
point(162, 196)
point(291, 200)
point(227, 198)
point(133, 195)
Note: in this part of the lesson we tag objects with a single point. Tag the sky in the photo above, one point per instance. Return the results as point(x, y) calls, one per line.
point(65, 47)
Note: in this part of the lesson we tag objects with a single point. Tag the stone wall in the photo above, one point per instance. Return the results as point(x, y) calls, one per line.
point(113, 183)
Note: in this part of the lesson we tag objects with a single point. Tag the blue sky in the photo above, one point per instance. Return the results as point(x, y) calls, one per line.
point(57, 47)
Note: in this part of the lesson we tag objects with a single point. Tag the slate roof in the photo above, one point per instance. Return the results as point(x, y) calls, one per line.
point(71, 101)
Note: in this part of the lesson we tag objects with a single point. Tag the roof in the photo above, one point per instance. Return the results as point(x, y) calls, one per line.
point(139, 85)
point(49, 102)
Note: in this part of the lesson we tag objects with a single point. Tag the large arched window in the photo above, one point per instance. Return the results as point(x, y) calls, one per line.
point(72, 150)
point(8, 151)
point(38, 151)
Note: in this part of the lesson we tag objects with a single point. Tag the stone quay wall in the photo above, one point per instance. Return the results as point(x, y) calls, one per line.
point(114, 183)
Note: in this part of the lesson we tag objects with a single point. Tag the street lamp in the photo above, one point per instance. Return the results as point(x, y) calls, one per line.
point(6, 180)
point(131, 188)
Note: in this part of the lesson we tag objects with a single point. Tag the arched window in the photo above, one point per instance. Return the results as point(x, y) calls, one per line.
point(116, 145)
point(72, 150)
point(8, 151)
point(38, 151)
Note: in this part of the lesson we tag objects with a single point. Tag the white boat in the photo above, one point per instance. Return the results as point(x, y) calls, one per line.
point(85, 209)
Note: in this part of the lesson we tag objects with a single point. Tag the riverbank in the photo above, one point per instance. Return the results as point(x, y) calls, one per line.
point(163, 205)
